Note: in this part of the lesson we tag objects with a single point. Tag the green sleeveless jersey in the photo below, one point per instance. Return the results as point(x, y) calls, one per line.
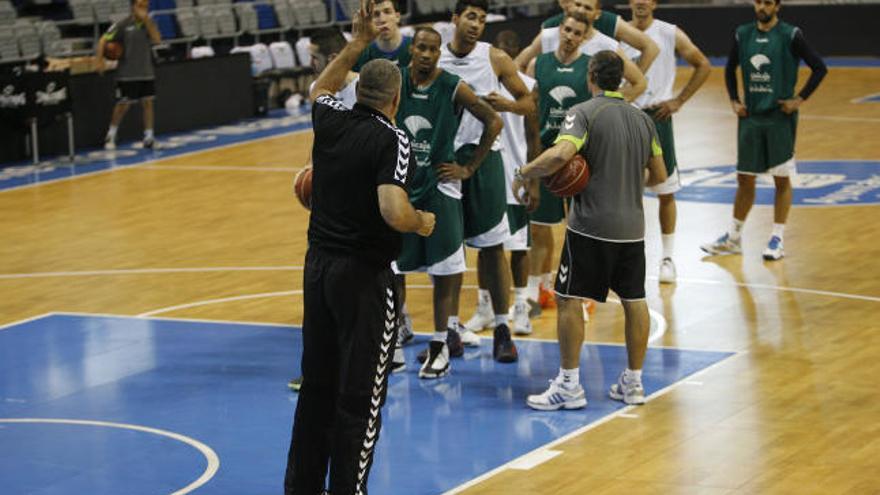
point(560, 87)
point(401, 56)
point(430, 118)
point(606, 23)
point(769, 68)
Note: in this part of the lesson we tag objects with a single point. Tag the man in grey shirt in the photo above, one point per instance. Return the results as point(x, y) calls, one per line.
point(604, 243)
point(135, 77)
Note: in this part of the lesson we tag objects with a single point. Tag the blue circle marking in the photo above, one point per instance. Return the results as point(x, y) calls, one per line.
point(818, 183)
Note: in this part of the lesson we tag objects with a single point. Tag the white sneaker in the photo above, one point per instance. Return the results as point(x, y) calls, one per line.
point(723, 245)
point(398, 361)
point(468, 338)
point(437, 364)
point(483, 318)
point(667, 271)
point(774, 250)
point(521, 323)
point(405, 329)
point(109, 144)
point(628, 392)
point(558, 397)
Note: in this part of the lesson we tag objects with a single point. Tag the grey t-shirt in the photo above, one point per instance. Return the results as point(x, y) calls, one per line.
point(136, 63)
point(617, 140)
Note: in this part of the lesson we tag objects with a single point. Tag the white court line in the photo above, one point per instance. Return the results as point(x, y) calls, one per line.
point(586, 428)
point(182, 319)
point(150, 271)
point(7, 326)
point(114, 168)
point(207, 452)
point(220, 168)
point(219, 301)
point(817, 292)
point(833, 118)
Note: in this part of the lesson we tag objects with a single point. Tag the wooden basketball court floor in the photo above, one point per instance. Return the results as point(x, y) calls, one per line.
point(217, 235)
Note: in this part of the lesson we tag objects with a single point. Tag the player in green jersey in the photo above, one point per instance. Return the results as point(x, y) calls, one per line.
point(605, 22)
point(767, 53)
point(390, 43)
point(431, 100)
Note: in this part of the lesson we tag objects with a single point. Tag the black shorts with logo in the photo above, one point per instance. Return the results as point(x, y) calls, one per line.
point(589, 267)
point(135, 90)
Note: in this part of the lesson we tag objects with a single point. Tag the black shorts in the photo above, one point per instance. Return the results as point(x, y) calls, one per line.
point(589, 267)
point(135, 90)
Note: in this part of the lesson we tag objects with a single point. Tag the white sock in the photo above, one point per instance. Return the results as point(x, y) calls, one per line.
point(570, 378)
point(452, 322)
point(779, 230)
point(519, 295)
point(111, 132)
point(532, 287)
point(632, 376)
point(148, 134)
point(500, 320)
point(735, 230)
point(483, 298)
point(547, 281)
point(668, 245)
point(440, 336)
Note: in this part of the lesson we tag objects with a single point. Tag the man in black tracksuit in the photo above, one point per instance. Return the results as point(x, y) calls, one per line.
point(360, 206)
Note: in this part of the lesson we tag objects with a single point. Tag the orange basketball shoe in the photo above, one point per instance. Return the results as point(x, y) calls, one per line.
point(546, 298)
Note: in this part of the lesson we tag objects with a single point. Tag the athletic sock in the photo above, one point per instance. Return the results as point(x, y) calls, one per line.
point(483, 298)
point(735, 230)
point(148, 134)
point(452, 322)
point(779, 230)
point(668, 245)
point(519, 294)
point(440, 336)
point(532, 287)
point(500, 320)
point(111, 132)
point(547, 281)
point(570, 378)
point(632, 376)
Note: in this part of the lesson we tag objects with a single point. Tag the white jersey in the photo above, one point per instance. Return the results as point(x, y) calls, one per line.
point(475, 69)
point(592, 46)
point(661, 74)
point(347, 95)
point(514, 151)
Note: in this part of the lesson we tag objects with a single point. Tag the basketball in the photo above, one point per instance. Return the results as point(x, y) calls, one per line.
point(302, 187)
point(113, 50)
point(569, 180)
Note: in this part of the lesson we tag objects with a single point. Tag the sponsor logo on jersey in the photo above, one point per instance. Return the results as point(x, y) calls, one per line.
point(560, 93)
point(818, 183)
point(10, 99)
point(51, 96)
point(759, 61)
point(760, 81)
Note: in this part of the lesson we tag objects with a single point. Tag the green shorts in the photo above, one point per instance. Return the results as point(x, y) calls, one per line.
point(551, 209)
point(667, 141)
point(419, 253)
point(765, 141)
point(484, 195)
point(518, 220)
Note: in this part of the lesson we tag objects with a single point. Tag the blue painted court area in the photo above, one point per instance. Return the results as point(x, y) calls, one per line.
point(224, 385)
point(818, 183)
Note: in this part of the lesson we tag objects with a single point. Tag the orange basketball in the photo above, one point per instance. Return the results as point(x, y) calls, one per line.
point(302, 187)
point(113, 50)
point(569, 180)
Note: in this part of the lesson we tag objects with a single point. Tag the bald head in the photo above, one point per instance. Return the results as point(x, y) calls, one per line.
point(379, 84)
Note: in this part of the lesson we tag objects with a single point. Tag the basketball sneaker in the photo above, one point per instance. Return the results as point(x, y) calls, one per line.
point(437, 363)
point(630, 392)
point(503, 348)
point(149, 143)
point(534, 308)
point(774, 250)
point(521, 323)
point(468, 338)
point(546, 298)
point(558, 397)
point(454, 346)
point(404, 329)
point(667, 271)
point(483, 318)
point(398, 361)
point(723, 245)
point(109, 144)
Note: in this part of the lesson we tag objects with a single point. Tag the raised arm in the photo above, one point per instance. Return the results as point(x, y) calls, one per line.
point(689, 51)
point(332, 79)
point(636, 79)
point(509, 76)
point(529, 53)
point(492, 125)
point(640, 41)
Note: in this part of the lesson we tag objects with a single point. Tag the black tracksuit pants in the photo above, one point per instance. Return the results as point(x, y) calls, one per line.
point(349, 333)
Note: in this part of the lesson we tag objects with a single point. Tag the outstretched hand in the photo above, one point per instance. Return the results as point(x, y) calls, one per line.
point(362, 27)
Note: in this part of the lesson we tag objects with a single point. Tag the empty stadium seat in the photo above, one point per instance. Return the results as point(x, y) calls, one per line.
point(28, 39)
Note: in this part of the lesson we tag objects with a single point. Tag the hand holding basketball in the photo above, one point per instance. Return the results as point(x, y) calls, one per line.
point(569, 180)
point(302, 187)
point(113, 50)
